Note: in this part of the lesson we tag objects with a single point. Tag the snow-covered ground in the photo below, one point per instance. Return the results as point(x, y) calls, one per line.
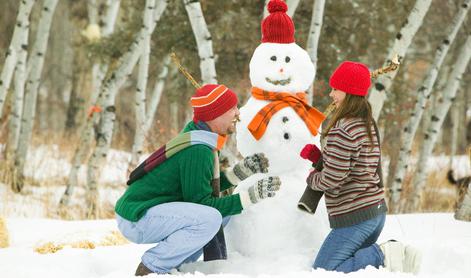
point(444, 242)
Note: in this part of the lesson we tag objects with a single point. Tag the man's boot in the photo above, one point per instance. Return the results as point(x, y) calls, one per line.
point(215, 249)
point(142, 270)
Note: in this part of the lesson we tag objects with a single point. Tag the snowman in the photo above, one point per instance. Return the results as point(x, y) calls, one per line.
point(277, 121)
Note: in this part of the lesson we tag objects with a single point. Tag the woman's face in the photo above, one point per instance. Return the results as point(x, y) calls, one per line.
point(337, 96)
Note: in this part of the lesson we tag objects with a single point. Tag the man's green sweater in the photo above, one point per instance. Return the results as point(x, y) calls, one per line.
point(184, 177)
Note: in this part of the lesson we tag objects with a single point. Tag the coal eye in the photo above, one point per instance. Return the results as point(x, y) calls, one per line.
point(286, 136)
point(287, 59)
point(273, 58)
point(285, 119)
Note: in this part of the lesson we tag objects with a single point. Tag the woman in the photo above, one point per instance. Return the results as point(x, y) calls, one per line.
point(351, 182)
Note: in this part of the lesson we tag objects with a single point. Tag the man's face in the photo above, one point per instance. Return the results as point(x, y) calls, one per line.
point(225, 124)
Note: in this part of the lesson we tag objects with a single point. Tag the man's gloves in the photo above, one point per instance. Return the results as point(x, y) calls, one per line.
point(248, 166)
point(264, 188)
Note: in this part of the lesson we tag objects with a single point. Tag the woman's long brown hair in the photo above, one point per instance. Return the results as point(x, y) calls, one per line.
point(353, 107)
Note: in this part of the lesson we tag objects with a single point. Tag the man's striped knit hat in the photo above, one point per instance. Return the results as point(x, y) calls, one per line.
point(211, 101)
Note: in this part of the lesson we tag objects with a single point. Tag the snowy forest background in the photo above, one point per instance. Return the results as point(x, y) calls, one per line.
point(88, 89)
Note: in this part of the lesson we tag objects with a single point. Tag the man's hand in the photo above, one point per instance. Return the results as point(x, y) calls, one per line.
point(264, 188)
point(248, 166)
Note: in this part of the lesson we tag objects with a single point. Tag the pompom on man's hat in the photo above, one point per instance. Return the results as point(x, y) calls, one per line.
point(277, 27)
point(352, 78)
point(211, 101)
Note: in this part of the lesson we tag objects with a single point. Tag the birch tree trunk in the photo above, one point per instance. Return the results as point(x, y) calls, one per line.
point(464, 211)
point(21, 27)
point(35, 63)
point(435, 98)
point(292, 6)
point(99, 70)
point(403, 39)
point(92, 8)
point(437, 119)
point(175, 119)
point(108, 92)
point(455, 116)
point(203, 41)
point(19, 92)
point(423, 94)
point(140, 97)
point(313, 40)
point(142, 131)
point(157, 94)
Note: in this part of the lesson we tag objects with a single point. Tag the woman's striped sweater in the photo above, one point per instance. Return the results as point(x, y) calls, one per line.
point(349, 179)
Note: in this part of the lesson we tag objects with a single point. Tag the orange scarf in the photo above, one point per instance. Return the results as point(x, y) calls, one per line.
point(310, 115)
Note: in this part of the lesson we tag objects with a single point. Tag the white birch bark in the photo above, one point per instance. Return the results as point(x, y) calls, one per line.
point(313, 40)
point(174, 122)
point(92, 9)
point(434, 98)
point(464, 210)
point(203, 41)
point(21, 27)
point(109, 91)
point(292, 6)
point(455, 117)
point(156, 94)
point(19, 85)
point(423, 94)
point(150, 111)
point(35, 63)
point(140, 97)
point(439, 114)
point(99, 70)
point(403, 39)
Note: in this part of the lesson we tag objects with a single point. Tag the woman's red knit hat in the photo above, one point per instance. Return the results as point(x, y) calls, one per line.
point(211, 101)
point(352, 78)
point(277, 27)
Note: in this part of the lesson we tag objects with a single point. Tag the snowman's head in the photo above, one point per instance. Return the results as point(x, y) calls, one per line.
point(279, 64)
point(281, 67)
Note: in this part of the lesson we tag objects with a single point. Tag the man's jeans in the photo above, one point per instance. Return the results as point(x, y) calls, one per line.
point(181, 230)
point(352, 248)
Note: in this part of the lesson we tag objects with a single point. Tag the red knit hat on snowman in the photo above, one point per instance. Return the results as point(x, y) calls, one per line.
point(352, 78)
point(277, 27)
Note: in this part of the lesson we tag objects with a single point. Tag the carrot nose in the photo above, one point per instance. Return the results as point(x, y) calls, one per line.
point(281, 70)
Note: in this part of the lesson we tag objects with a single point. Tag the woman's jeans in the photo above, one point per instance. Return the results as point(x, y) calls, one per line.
point(352, 248)
point(181, 230)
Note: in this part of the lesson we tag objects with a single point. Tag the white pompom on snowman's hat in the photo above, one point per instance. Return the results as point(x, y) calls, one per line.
point(277, 27)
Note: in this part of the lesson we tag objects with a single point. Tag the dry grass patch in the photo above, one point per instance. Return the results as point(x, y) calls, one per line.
point(114, 238)
point(48, 248)
point(4, 236)
point(438, 195)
